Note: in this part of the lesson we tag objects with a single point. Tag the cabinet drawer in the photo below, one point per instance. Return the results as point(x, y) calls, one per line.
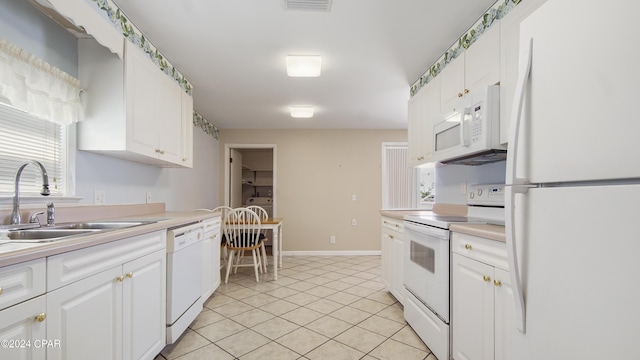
point(72, 266)
point(487, 251)
point(212, 225)
point(393, 224)
point(22, 281)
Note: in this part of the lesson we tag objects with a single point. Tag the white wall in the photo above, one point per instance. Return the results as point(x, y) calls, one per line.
point(317, 173)
point(127, 182)
point(124, 182)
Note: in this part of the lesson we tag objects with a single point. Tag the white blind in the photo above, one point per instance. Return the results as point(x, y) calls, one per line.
point(25, 137)
point(399, 182)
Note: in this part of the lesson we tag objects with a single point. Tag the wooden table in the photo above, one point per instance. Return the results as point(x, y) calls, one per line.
point(275, 225)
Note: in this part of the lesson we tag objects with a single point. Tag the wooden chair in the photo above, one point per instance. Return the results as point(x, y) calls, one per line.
point(262, 213)
point(242, 233)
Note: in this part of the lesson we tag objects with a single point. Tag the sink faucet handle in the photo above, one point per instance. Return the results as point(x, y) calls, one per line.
point(34, 218)
point(50, 214)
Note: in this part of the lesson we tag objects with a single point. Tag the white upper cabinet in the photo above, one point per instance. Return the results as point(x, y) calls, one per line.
point(452, 86)
point(465, 78)
point(424, 110)
point(134, 110)
point(482, 63)
point(509, 40)
point(187, 130)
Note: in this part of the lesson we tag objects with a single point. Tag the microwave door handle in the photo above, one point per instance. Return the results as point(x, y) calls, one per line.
point(516, 185)
point(465, 137)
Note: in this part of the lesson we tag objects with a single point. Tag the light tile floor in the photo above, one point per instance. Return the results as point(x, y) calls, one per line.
point(321, 307)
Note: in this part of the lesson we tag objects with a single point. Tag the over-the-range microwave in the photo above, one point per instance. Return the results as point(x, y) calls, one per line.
point(471, 136)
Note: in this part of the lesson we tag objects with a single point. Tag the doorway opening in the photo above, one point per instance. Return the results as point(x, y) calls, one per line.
point(250, 176)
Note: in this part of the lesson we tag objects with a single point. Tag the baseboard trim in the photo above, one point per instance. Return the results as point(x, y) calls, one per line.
point(333, 253)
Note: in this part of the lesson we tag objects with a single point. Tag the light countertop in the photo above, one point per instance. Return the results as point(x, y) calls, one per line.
point(13, 253)
point(399, 214)
point(487, 231)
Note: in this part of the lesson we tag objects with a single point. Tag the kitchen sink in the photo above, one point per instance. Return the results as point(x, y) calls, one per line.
point(101, 225)
point(66, 230)
point(45, 234)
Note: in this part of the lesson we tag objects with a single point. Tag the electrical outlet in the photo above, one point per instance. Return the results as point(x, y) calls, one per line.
point(353, 197)
point(99, 197)
point(332, 239)
point(463, 188)
point(148, 197)
point(353, 222)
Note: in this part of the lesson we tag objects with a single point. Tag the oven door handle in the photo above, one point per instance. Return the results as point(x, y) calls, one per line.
point(427, 230)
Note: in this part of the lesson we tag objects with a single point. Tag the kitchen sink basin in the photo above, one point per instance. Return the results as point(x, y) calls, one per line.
point(101, 225)
point(45, 234)
point(66, 230)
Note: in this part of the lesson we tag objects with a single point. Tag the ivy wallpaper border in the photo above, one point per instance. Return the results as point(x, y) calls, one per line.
point(204, 125)
point(497, 11)
point(135, 36)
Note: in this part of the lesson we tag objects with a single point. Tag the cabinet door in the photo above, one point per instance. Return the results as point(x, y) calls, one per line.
point(208, 265)
point(86, 317)
point(472, 309)
point(215, 281)
point(144, 298)
point(187, 130)
point(397, 271)
point(385, 259)
point(505, 325)
point(509, 57)
point(423, 114)
point(141, 87)
point(168, 116)
point(482, 64)
point(452, 86)
point(19, 325)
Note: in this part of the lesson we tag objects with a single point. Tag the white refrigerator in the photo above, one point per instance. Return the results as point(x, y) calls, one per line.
point(573, 184)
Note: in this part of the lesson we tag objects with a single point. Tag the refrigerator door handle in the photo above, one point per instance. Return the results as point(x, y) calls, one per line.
point(516, 116)
point(516, 185)
point(512, 253)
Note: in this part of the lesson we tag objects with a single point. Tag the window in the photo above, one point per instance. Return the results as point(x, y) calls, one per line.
point(26, 137)
point(399, 181)
point(404, 187)
point(38, 104)
point(427, 185)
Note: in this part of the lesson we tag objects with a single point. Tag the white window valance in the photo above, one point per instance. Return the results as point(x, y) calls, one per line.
point(38, 88)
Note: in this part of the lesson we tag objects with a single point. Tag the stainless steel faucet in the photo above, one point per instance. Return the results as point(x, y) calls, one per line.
point(50, 214)
point(15, 214)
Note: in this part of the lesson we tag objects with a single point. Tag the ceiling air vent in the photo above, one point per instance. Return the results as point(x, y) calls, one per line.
point(308, 5)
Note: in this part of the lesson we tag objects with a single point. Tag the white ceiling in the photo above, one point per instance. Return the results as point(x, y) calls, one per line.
point(233, 52)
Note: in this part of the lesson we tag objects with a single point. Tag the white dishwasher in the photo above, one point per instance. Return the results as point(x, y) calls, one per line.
point(184, 278)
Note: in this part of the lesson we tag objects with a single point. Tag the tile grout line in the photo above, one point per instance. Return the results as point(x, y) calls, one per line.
point(311, 266)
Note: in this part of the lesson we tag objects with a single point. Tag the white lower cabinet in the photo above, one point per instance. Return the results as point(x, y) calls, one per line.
point(23, 329)
point(116, 312)
point(481, 299)
point(211, 256)
point(87, 317)
point(23, 308)
point(144, 299)
point(392, 257)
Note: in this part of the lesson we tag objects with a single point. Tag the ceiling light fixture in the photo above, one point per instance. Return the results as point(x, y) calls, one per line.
point(308, 5)
point(303, 65)
point(301, 111)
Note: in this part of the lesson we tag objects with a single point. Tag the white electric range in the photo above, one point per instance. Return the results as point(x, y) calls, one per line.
point(427, 254)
